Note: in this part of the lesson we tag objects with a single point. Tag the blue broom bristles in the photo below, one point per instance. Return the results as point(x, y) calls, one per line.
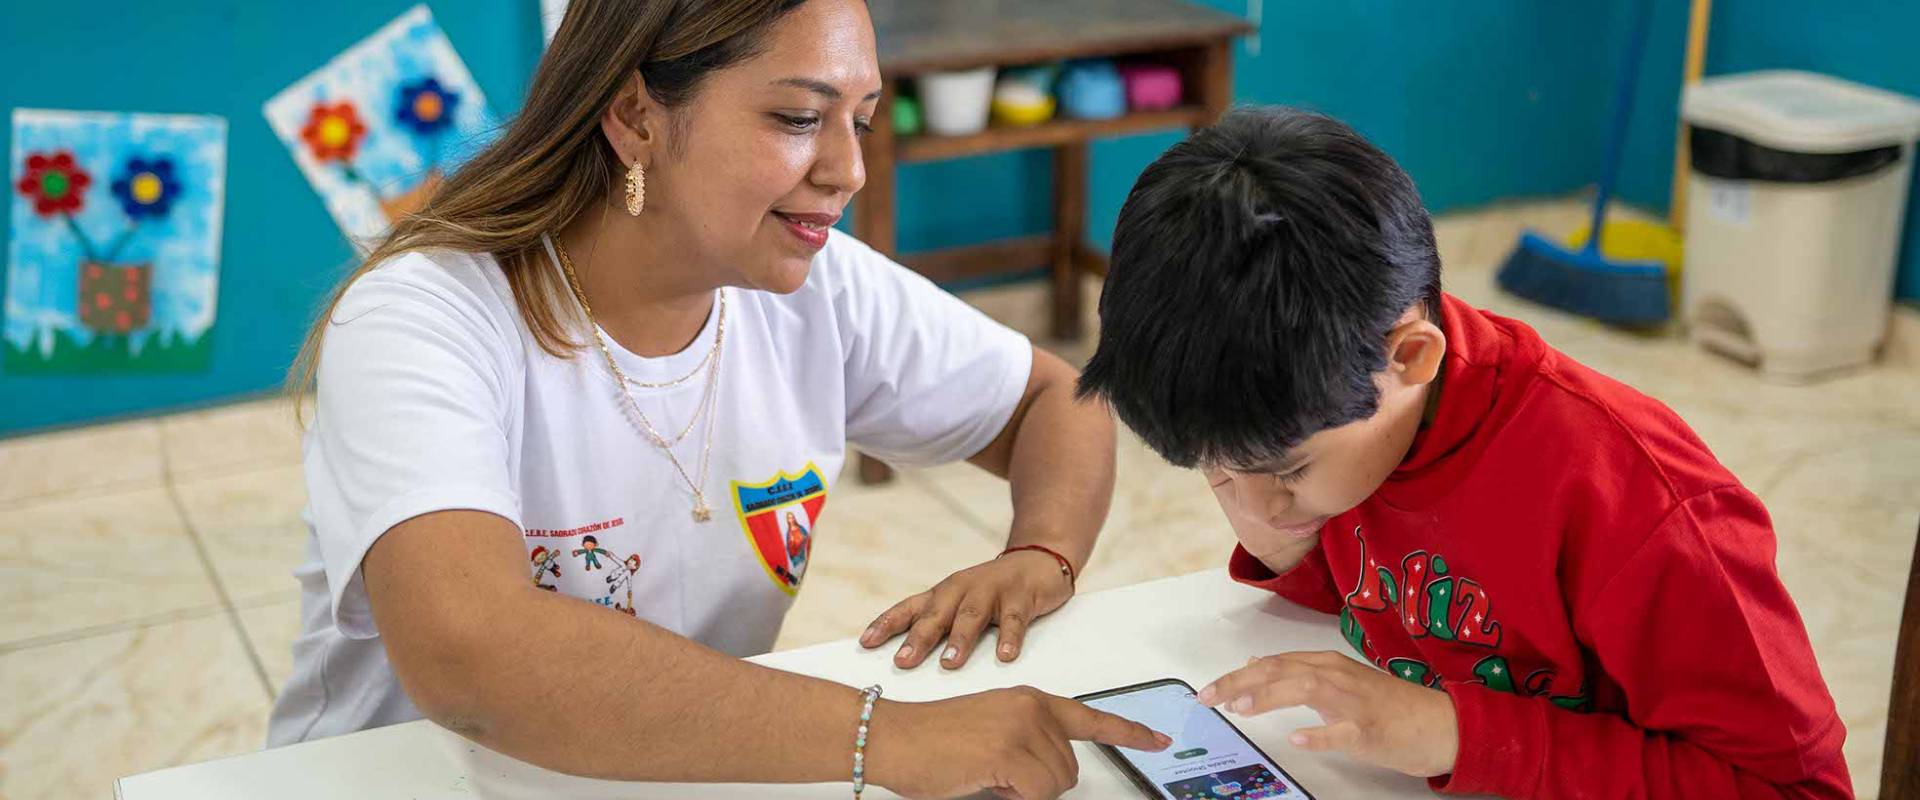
point(1631, 293)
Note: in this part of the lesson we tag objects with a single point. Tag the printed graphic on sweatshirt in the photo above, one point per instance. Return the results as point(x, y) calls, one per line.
point(1428, 601)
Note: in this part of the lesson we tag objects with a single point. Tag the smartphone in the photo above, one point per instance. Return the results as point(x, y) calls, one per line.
point(1209, 758)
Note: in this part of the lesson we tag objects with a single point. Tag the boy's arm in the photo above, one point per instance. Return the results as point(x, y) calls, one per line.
point(1310, 583)
point(1723, 696)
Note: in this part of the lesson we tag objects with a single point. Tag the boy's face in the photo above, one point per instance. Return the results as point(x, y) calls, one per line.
point(1337, 468)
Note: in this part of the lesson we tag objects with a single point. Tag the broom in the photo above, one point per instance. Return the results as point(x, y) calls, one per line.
point(1583, 281)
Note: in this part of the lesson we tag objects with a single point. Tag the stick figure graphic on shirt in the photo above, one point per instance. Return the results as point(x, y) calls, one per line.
point(543, 565)
point(633, 570)
point(798, 539)
point(624, 581)
point(590, 547)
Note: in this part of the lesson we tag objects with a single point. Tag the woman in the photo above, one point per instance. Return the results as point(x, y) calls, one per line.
point(628, 318)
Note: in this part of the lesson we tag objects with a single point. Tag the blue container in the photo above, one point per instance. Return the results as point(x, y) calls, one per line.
point(1092, 90)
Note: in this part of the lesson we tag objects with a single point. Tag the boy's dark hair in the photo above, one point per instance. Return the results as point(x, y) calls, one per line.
point(1257, 268)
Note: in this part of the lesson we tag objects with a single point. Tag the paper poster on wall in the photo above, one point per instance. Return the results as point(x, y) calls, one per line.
point(375, 128)
point(114, 259)
point(551, 12)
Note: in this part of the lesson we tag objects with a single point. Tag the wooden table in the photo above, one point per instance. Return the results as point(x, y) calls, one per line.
point(1194, 627)
point(920, 36)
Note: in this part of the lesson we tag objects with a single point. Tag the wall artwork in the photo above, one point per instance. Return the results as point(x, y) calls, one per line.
point(114, 259)
point(376, 128)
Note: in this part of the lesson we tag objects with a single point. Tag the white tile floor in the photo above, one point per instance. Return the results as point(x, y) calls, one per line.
point(150, 614)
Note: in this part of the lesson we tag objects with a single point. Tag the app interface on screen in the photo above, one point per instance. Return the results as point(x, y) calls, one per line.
point(1207, 761)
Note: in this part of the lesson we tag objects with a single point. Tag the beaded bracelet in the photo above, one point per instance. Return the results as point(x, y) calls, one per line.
point(867, 698)
point(1066, 567)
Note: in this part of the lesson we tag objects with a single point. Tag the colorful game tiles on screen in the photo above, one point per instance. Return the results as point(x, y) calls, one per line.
point(1246, 783)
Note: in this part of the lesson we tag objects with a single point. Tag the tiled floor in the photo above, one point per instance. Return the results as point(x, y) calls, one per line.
point(150, 613)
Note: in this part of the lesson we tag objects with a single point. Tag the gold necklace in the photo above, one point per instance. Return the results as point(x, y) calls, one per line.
point(701, 511)
point(715, 348)
point(684, 378)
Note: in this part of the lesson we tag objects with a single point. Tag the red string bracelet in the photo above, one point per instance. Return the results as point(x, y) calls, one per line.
point(1066, 567)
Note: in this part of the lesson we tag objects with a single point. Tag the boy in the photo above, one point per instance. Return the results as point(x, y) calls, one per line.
point(1566, 595)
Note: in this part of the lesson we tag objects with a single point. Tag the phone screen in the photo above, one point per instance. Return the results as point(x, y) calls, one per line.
point(1209, 758)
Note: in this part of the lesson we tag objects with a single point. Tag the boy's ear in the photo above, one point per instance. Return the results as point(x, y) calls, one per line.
point(1415, 348)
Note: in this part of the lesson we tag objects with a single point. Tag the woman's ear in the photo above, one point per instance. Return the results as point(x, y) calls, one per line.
point(1415, 348)
point(632, 122)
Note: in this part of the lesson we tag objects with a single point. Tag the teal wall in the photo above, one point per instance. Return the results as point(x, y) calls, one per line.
point(1480, 101)
point(1869, 41)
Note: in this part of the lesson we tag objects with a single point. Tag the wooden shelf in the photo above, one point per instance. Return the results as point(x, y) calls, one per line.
point(951, 264)
point(917, 36)
point(980, 260)
point(1058, 131)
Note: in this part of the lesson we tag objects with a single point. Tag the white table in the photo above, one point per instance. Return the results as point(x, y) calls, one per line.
point(1194, 627)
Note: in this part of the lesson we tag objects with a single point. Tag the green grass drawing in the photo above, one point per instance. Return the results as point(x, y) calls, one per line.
point(167, 352)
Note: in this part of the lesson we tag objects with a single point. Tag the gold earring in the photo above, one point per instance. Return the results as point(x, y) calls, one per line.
point(636, 189)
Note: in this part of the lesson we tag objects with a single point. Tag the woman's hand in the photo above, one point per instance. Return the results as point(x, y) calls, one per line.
point(1015, 743)
point(1009, 592)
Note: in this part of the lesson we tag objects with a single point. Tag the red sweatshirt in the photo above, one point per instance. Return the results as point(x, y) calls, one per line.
point(1594, 591)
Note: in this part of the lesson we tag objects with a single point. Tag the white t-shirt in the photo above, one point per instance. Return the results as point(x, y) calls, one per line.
point(433, 395)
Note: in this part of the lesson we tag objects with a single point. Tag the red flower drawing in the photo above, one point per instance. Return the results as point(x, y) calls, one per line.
point(54, 183)
point(333, 132)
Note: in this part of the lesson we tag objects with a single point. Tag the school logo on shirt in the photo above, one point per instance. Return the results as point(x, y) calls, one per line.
point(777, 517)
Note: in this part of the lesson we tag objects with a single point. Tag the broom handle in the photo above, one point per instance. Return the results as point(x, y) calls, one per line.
point(1682, 149)
point(1622, 114)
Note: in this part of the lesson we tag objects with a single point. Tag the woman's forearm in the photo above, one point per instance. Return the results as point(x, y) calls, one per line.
point(578, 688)
point(570, 687)
point(1061, 468)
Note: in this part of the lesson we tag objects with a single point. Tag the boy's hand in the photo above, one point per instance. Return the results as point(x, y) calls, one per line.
point(1280, 550)
point(1370, 715)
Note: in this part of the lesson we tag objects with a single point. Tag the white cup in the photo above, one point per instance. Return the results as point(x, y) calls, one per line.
point(956, 103)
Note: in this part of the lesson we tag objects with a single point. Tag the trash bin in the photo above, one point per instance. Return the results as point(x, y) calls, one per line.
point(1794, 217)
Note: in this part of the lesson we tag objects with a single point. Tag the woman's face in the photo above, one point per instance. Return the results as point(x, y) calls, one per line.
point(763, 158)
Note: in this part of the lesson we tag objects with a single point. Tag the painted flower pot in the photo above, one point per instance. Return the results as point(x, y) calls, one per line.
point(411, 200)
point(115, 299)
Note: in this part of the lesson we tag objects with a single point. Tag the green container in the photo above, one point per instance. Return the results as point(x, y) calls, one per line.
point(906, 115)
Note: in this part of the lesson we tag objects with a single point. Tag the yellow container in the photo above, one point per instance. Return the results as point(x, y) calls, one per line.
point(1019, 114)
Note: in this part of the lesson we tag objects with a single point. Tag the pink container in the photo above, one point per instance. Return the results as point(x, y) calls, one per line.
point(1151, 87)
